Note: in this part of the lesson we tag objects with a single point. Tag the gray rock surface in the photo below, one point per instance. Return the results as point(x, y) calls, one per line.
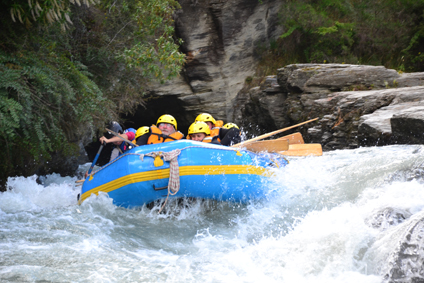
point(406, 263)
point(221, 41)
point(356, 105)
point(327, 78)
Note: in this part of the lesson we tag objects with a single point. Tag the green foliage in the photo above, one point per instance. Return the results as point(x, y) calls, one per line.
point(58, 80)
point(374, 32)
point(43, 100)
point(154, 50)
point(48, 11)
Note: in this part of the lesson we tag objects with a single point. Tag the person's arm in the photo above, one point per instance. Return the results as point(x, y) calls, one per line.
point(229, 136)
point(117, 139)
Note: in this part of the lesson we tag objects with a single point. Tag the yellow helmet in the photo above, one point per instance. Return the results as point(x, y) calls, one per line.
point(199, 127)
point(205, 117)
point(230, 125)
point(167, 119)
point(141, 131)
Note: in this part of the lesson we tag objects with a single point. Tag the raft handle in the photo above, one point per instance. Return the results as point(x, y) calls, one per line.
point(160, 188)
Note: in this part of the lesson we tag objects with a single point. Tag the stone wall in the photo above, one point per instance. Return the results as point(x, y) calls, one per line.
point(221, 41)
point(357, 105)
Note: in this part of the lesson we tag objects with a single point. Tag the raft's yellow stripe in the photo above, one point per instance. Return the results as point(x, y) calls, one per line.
point(164, 173)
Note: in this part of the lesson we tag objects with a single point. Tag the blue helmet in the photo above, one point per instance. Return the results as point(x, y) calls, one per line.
point(130, 130)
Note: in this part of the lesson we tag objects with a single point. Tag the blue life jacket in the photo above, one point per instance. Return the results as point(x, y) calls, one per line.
point(124, 146)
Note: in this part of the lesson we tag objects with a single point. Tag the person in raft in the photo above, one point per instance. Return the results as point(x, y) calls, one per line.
point(213, 124)
point(165, 130)
point(141, 131)
point(200, 131)
point(120, 145)
point(228, 134)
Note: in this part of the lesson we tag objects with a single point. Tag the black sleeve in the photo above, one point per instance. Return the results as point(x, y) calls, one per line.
point(229, 136)
point(215, 140)
point(142, 140)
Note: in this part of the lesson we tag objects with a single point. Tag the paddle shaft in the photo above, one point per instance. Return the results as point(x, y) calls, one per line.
point(272, 133)
point(95, 158)
point(122, 138)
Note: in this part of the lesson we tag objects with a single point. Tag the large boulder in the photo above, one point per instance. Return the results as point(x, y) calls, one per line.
point(327, 78)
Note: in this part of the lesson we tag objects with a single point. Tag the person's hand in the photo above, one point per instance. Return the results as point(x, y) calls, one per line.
point(103, 140)
point(86, 174)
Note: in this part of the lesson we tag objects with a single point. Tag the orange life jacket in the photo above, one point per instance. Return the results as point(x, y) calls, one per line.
point(216, 127)
point(207, 139)
point(215, 131)
point(156, 136)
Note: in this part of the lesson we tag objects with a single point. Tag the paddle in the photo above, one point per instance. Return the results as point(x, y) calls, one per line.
point(122, 138)
point(271, 134)
point(95, 158)
point(295, 138)
point(270, 146)
point(311, 149)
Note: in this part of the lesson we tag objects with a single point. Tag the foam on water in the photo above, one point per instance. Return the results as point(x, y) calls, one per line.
point(322, 222)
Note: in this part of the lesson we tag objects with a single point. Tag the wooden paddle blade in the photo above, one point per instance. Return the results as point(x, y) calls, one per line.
point(295, 138)
point(269, 145)
point(272, 133)
point(311, 149)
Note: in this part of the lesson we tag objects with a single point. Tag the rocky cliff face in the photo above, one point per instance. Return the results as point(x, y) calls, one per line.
point(220, 41)
point(357, 105)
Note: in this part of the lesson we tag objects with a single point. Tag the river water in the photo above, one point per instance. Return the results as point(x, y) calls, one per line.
point(320, 224)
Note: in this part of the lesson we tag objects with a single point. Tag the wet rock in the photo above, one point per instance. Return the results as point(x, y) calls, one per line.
point(387, 217)
point(408, 123)
point(407, 261)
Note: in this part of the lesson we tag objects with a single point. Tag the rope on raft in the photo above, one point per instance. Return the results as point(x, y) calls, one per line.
point(174, 171)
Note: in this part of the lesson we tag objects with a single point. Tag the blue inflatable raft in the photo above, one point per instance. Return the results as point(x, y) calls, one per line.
point(183, 169)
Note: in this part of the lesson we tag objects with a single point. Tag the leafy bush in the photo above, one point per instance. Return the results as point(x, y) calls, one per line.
point(389, 33)
point(42, 102)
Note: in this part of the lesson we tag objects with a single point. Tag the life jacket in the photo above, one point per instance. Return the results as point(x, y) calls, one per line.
point(124, 145)
point(156, 136)
point(207, 139)
point(215, 130)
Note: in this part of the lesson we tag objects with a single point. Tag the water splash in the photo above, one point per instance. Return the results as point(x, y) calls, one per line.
point(335, 218)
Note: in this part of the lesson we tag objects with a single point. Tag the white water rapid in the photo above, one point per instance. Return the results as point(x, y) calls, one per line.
point(335, 218)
